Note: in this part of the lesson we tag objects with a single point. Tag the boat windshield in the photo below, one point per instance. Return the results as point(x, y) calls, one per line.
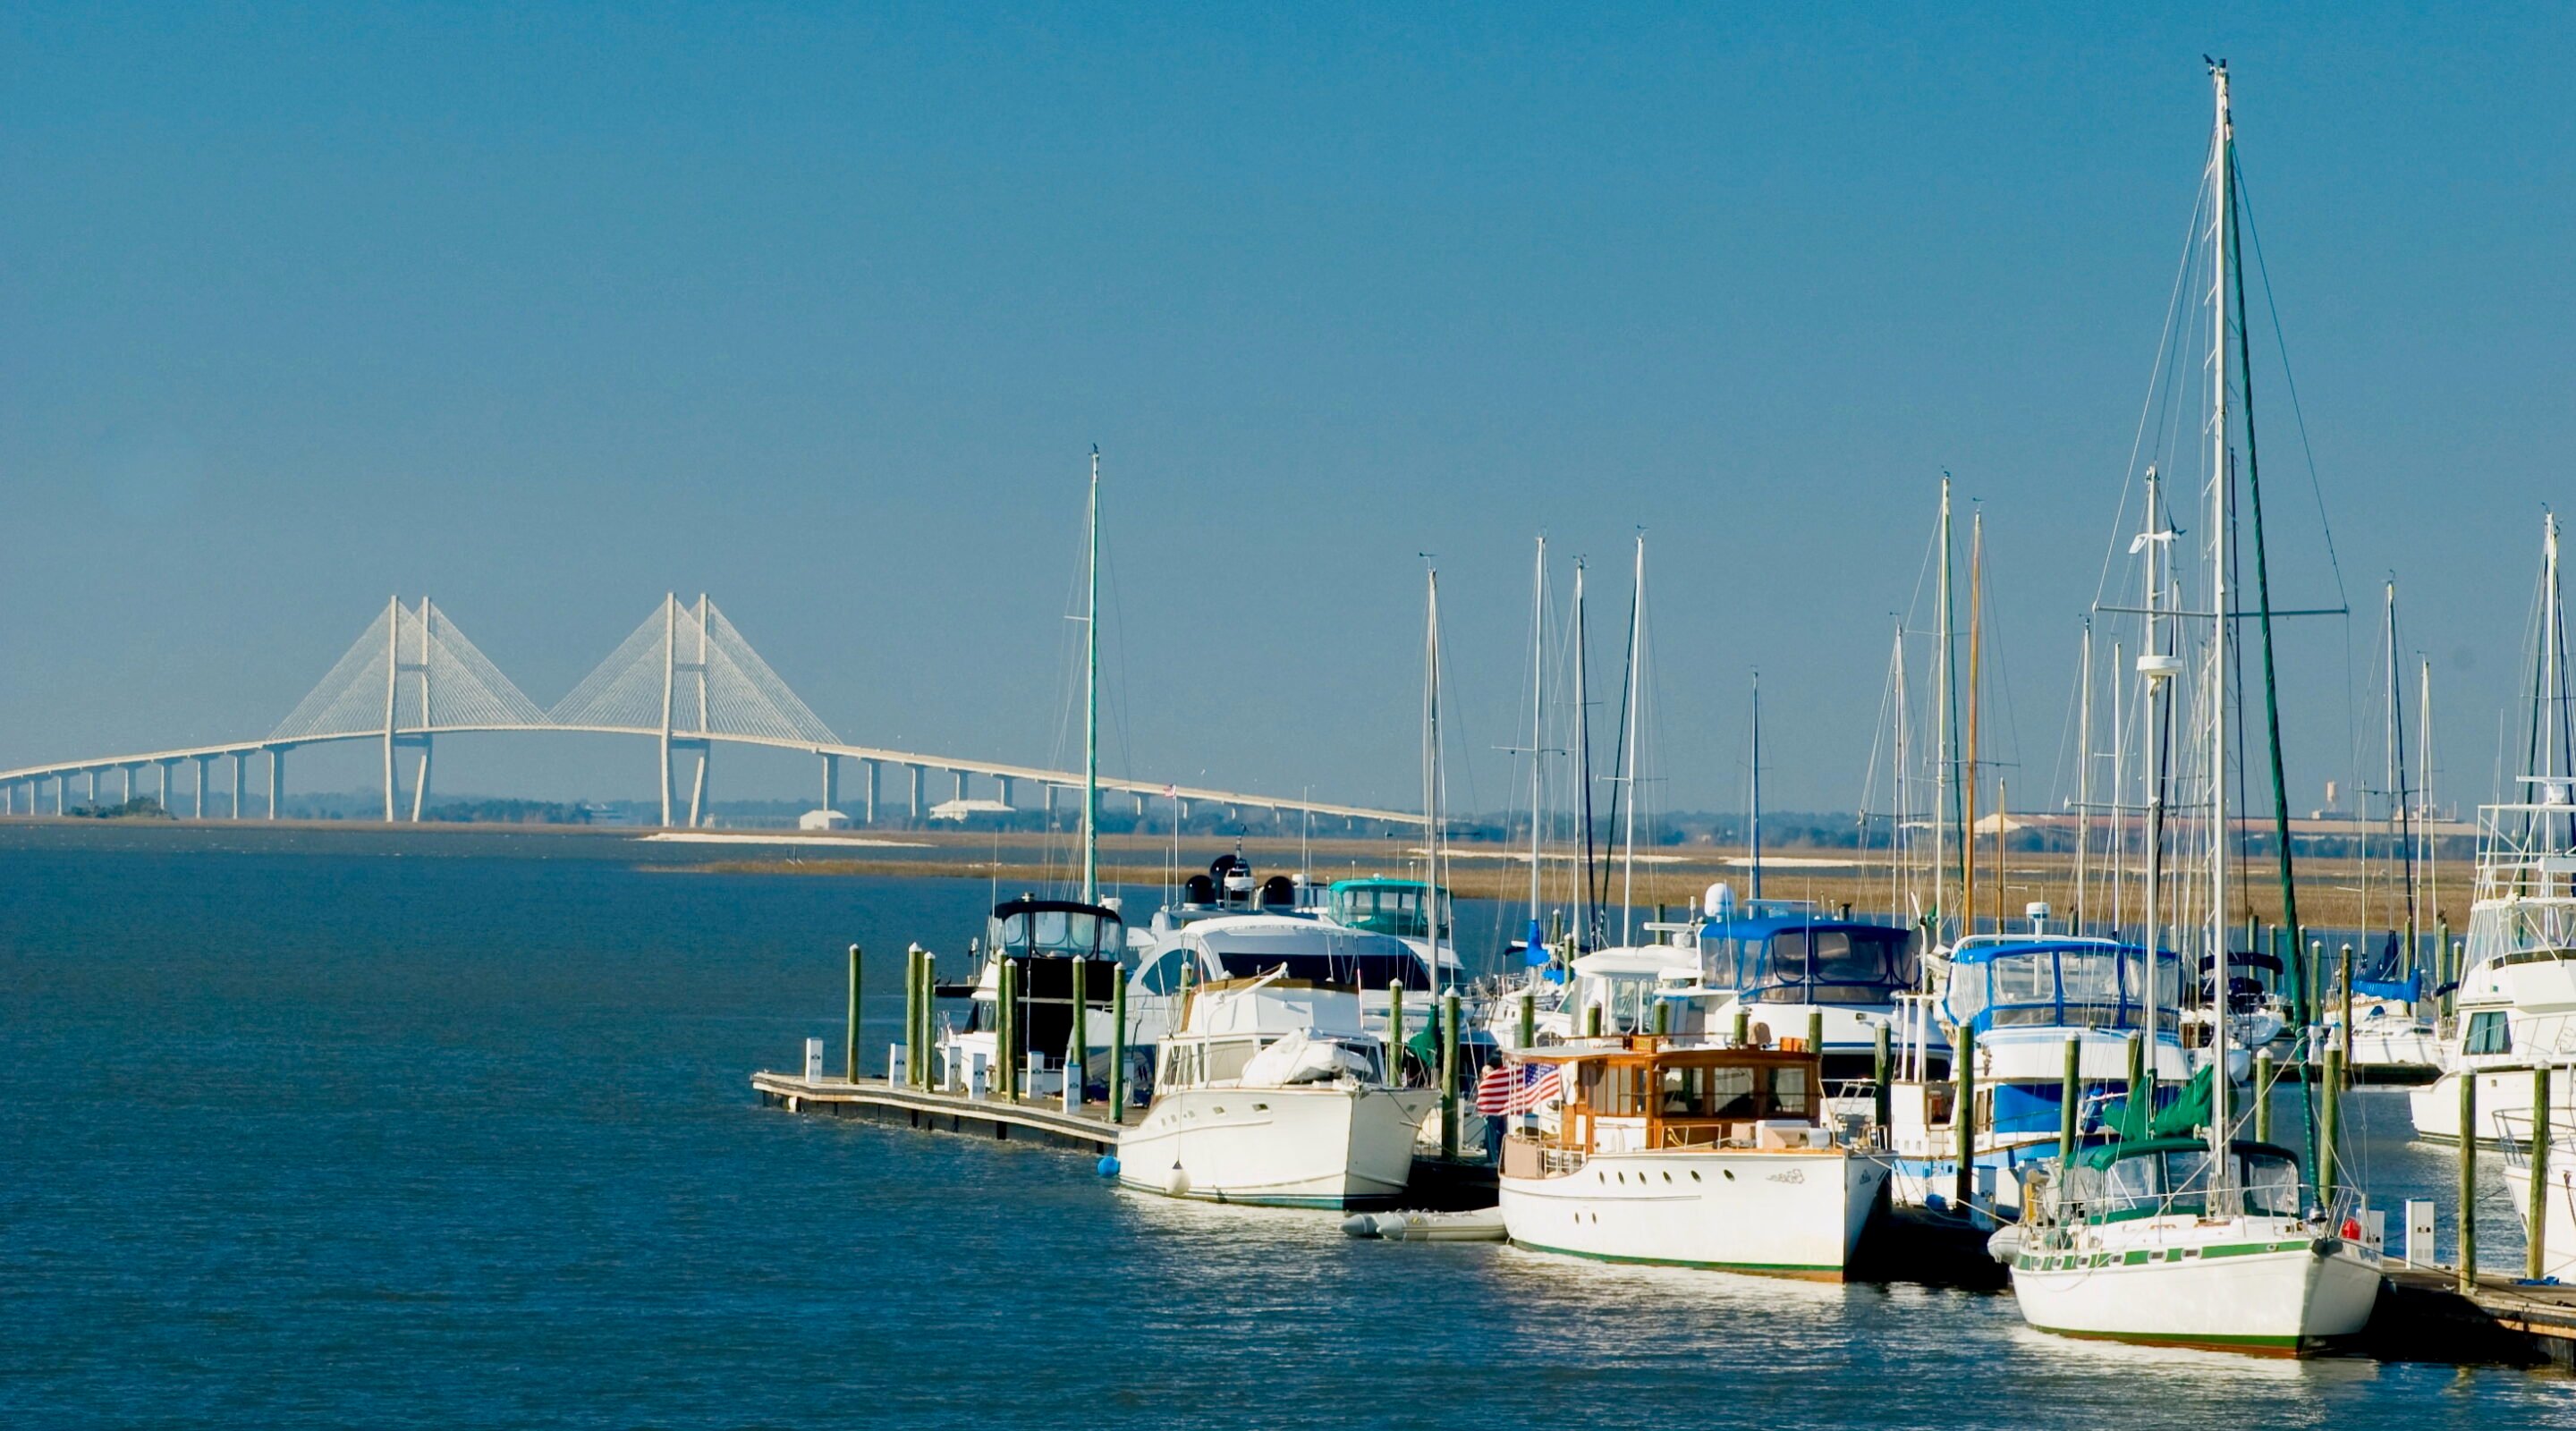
point(1398, 907)
point(1812, 963)
point(2174, 1178)
point(1032, 927)
point(1372, 970)
point(2088, 985)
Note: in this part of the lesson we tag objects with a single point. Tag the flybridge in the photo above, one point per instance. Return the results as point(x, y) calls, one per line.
point(686, 677)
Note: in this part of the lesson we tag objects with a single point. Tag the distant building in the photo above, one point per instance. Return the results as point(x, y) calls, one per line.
point(962, 810)
point(830, 820)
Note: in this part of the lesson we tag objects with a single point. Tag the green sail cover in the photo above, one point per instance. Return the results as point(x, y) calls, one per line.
point(2130, 1120)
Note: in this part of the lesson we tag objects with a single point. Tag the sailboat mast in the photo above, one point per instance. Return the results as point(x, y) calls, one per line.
point(1753, 821)
point(2402, 833)
point(1431, 823)
point(1636, 650)
point(1589, 913)
point(2159, 668)
point(2427, 846)
point(1976, 631)
point(1896, 768)
point(1945, 712)
point(2083, 771)
point(2222, 485)
point(1538, 726)
point(1091, 694)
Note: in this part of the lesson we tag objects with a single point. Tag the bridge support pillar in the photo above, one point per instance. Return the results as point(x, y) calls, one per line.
point(62, 787)
point(1003, 782)
point(197, 805)
point(161, 783)
point(125, 787)
point(919, 775)
point(961, 783)
point(89, 787)
point(874, 768)
point(831, 781)
point(276, 779)
point(241, 770)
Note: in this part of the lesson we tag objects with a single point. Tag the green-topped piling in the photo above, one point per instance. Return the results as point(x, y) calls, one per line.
point(1529, 1019)
point(2070, 1101)
point(2263, 1098)
point(1883, 1063)
point(1449, 1075)
point(1743, 1027)
point(1816, 1032)
point(1077, 1066)
point(2535, 1262)
point(850, 1034)
point(2330, 1129)
point(2468, 1183)
point(1006, 1028)
point(1963, 1113)
point(1118, 1050)
point(1395, 1033)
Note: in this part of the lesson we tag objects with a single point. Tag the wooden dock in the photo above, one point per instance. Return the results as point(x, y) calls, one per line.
point(2424, 1316)
point(1006, 1120)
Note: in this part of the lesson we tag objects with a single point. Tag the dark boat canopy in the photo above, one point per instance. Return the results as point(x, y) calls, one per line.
point(1055, 928)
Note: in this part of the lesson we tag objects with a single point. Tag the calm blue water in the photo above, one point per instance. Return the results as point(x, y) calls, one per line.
point(347, 1134)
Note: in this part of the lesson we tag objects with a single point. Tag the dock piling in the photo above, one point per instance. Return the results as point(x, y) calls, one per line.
point(911, 1009)
point(1006, 1028)
point(2329, 1129)
point(1529, 1019)
point(2344, 1004)
point(1743, 1026)
point(2070, 1102)
point(2535, 1263)
point(2263, 1097)
point(1395, 1033)
point(850, 1038)
point(921, 1038)
point(1963, 1113)
point(1077, 1070)
point(1449, 1075)
point(1815, 1032)
point(1118, 1051)
point(2468, 1182)
point(1592, 1021)
point(1884, 1097)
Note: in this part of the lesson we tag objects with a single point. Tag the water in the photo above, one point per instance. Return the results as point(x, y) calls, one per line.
point(354, 1131)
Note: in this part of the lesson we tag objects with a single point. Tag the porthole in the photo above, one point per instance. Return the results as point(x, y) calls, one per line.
point(1668, 1177)
point(1694, 1175)
point(1730, 1174)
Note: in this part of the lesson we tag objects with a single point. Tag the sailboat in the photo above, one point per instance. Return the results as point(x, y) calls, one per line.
point(2161, 1235)
point(2391, 1041)
point(1056, 962)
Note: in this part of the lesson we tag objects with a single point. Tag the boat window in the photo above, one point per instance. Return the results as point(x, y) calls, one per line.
point(1967, 992)
point(1789, 1092)
point(2089, 976)
point(2168, 978)
point(1050, 928)
point(2271, 1185)
point(2489, 1033)
point(1226, 1060)
point(1009, 933)
point(1358, 971)
point(2025, 978)
point(1838, 958)
point(1163, 976)
point(1730, 1093)
point(2130, 1185)
point(2187, 1179)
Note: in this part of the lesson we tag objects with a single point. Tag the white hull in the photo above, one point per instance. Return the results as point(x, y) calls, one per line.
point(1785, 1213)
point(2283, 1299)
point(2502, 1093)
point(2558, 1226)
point(1311, 1145)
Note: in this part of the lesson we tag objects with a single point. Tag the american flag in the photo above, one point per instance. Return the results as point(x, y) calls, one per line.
point(1518, 1087)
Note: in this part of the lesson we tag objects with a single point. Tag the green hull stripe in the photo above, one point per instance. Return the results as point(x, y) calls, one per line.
point(1830, 1268)
point(2154, 1339)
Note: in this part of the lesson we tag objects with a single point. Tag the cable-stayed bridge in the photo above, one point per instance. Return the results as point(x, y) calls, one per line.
point(686, 679)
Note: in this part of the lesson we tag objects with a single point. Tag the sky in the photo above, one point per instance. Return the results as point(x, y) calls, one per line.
point(545, 311)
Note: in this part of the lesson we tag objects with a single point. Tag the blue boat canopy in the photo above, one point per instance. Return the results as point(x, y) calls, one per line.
point(2062, 983)
point(1797, 956)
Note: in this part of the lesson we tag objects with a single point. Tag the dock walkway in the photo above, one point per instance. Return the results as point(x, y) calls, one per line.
point(1002, 1119)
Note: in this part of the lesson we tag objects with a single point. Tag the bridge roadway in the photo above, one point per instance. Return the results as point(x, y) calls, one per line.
point(31, 779)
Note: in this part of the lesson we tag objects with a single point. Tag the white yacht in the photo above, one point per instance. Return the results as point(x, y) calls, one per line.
point(1270, 1091)
point(1696, 1156)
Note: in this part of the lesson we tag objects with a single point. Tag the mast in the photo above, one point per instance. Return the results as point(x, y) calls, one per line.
point(2222, 483)
point(1091, 692)
point(2083, 771)
point(1945, 718)
point(1538, 727)
point(1591, 913)
point(1431, 765)
point(2119, 841)
point(2402, 832)
point(1753, 824)
point(1976, 630)
point(2427, 846)
point(1897, 766)
point(1636, 648)
point(2158, 666)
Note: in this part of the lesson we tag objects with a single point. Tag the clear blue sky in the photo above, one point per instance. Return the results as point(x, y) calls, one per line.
point(546, 310)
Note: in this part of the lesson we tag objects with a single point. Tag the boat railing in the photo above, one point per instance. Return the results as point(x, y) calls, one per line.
point(2518, 1129)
